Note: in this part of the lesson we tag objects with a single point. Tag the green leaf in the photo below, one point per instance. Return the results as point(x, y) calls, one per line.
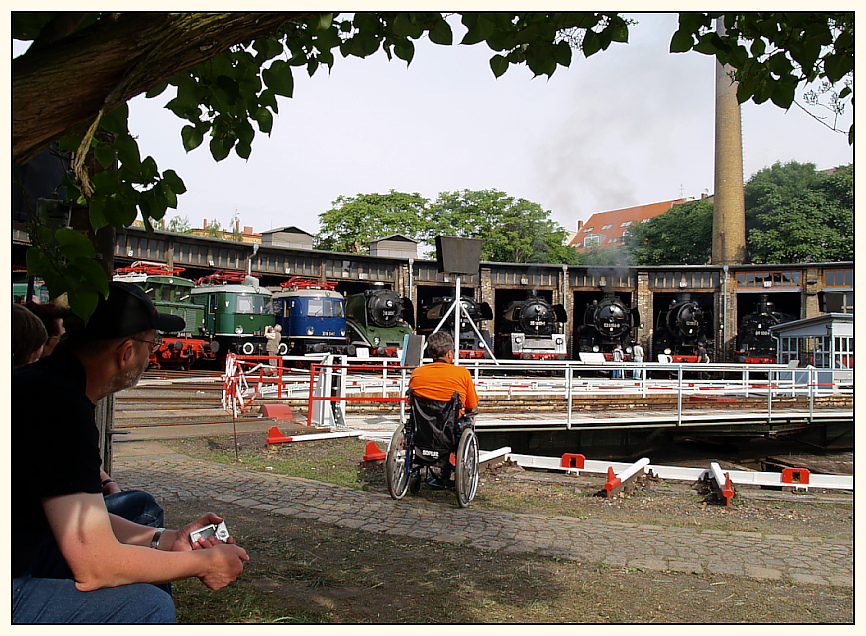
point(264, 119)
point(498, 64)
point(73, 244)
point(405, 50)
point(481, 29)
point(117, 120)
point(681, 41)
point(83, 301)
point(156, 90)
point(171, 179)
point(104, 154)
point(191, 137)
point(591, 43)
point(278, 77)
point(220, 147)
point(97, 214)
point(441, 33)
point(127, 151)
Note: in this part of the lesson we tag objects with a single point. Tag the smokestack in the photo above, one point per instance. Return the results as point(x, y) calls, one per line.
point(729, 207)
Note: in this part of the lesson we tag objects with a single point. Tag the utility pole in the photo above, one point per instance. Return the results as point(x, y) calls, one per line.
point(729, 207)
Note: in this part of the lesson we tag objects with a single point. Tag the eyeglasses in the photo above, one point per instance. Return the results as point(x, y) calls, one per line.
point(154, 344)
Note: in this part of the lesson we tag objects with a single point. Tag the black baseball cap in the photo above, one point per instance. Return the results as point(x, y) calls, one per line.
point(126, 311)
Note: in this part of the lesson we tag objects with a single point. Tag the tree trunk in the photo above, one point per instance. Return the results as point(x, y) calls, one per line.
point(66, 82)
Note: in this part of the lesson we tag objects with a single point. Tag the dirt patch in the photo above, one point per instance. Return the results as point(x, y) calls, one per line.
point(303, 571)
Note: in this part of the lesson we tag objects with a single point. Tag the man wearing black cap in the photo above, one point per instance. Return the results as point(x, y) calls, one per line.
point(56, 485)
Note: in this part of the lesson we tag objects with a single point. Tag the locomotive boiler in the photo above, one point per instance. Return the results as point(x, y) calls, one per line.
point(471, 346)
point(378, 319)
point(681, 326)
point(532, 329)
point(606, 323)
point(754, 344)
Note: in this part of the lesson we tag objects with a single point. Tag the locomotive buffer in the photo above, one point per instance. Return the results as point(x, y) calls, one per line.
point(457, 255)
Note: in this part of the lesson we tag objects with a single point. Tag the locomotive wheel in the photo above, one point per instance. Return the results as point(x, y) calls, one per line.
point(248, 348)
point(284, 349)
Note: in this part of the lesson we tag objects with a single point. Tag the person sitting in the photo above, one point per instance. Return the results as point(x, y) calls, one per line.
point(440, 379)
point(56, 482)
point(28, 336)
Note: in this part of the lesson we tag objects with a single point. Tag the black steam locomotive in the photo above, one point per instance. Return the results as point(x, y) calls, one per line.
point(378, 319)
point(532, 329)
point(606, 323)
point(681, 327)
point(471, 346)
point(755, 345)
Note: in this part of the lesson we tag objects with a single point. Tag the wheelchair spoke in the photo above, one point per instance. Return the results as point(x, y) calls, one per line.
point(398, 465)
point(466, 470)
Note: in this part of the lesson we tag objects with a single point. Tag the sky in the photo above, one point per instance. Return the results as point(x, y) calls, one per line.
point(628, 126)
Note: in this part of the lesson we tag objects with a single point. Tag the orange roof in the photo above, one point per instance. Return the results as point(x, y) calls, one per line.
point(609, 227)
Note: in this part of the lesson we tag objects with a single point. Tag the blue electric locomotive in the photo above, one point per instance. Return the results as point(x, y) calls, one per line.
point(312, 316)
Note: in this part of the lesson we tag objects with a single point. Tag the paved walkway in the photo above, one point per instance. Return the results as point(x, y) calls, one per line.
point(173, 476)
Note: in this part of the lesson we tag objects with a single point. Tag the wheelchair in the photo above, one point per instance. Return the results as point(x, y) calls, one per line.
point(423, 447)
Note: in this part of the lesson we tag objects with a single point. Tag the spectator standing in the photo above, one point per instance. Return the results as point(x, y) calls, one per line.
point(637, 352)
point(617, 356)
point(52, 317)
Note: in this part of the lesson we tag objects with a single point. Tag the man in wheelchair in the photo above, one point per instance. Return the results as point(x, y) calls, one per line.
point(442, 399)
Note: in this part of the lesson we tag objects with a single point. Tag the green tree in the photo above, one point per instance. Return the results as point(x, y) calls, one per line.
point(215, 229)
point(513, 230)
point(179, 224)
point(681, 236)
point(228, 70)
point(353, 222)
point(798, 215)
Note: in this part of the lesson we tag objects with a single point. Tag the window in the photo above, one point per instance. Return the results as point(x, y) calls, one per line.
point(768, 279)
point(839, 278)
point(644, 220)
point(607, 227)
point(625, 224)
point(589, 241)
point(589, 229)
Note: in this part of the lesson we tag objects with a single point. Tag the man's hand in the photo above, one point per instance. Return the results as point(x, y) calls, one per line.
point(226, 562)
point(182, 542)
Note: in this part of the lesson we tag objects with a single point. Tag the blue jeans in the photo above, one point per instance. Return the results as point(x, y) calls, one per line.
point(38, 600)
point(47, 593)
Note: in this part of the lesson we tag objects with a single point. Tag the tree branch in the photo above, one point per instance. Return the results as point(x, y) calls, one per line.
point(58, 86)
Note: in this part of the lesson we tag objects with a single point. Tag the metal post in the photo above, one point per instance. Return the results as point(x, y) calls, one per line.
point(679, 395)
point(458, 306)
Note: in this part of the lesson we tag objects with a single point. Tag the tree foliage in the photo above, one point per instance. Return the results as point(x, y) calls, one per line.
point(681, 236)
point(353, 222)
point(179, 224)
point(513, 230)
point(798, 215)
point(773, 54)
point(794, 214)
point(229, 70)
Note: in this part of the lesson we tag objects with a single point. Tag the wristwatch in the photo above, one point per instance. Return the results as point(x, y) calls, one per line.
point(154, 543)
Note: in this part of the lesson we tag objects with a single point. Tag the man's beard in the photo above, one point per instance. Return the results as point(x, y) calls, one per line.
point(129, 377)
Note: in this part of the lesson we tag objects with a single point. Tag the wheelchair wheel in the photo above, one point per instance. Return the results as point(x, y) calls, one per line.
point(466, 468)
point(396, 470)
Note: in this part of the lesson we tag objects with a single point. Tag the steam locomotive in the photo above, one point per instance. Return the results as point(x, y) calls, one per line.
point(755, 345)
point(378, 319)
point(681, 326)
point(607, 323)
point(532, 329)
point(471, 346)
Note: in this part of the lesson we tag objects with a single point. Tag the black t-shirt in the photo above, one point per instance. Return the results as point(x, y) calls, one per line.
point(55, 446)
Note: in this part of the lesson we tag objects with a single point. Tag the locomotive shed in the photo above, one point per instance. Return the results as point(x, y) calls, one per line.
point(719, 297)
